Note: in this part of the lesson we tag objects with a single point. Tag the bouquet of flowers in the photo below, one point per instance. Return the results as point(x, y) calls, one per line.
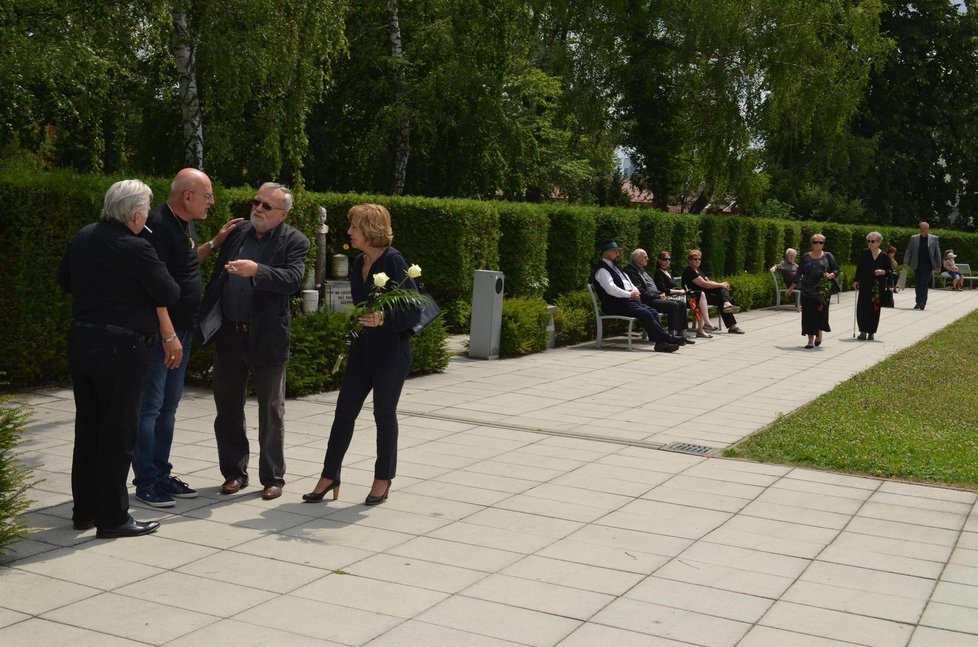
point(824, 293)
point(384, 295)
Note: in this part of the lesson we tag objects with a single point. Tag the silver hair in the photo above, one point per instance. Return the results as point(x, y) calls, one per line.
point(638, 251)
point(124, 200)
point(877, 235)
point(790, 251)
point(286, 191)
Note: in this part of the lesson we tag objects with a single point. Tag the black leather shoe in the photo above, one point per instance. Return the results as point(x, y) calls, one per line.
point(130, 528)
point(82, 524)
point(377, 500)
point(316, 497)
point(680, 340)
point(665, 347)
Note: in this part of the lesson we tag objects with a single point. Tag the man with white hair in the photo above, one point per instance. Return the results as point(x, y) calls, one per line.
point(116, 281)
point(245, 314)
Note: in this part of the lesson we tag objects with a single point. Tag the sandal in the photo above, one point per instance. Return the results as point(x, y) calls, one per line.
point(809, 346)
point(704, 335)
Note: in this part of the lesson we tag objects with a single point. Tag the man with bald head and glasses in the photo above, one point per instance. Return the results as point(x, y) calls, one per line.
point(245, 314)
point(170, 228)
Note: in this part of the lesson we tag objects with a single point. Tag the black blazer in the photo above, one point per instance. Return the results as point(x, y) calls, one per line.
point(377, 346)
point(279, 276)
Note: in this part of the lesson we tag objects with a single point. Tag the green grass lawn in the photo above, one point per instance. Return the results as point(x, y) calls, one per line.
point(914, 416)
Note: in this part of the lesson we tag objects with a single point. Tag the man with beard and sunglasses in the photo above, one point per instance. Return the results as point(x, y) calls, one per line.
point(245, 315)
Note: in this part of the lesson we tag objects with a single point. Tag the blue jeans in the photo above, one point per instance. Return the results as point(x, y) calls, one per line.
point(161, 397)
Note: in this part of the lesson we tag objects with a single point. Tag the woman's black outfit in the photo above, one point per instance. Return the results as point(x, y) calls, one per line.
point(868, 307)
point(380, 359)
point(814, 311)
point(714, 296)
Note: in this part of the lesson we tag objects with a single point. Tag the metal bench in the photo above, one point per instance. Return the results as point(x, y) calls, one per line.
point(600, 318)
point(780, 289)
point(966, 274)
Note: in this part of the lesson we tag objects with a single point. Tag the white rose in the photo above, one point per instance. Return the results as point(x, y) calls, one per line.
point(381, 279)
point(414, 271)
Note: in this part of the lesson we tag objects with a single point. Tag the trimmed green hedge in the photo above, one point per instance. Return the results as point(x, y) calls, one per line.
point(15, 476)
point(524, 327)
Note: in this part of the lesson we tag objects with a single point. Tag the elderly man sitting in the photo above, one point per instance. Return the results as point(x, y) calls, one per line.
point(651, 296)
point(620, 297)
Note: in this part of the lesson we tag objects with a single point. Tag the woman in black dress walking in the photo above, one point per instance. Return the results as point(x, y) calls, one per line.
point(874, 272)
point(815, 267)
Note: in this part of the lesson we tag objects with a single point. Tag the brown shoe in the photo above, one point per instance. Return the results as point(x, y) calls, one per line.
point(271, 492)
point(232, 486)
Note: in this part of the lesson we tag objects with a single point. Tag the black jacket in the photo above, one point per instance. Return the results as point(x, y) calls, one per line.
point(279, 276)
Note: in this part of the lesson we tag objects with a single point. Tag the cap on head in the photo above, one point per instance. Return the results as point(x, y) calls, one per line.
point(608, 244)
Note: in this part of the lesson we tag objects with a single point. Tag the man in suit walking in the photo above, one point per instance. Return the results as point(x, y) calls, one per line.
point(924, 256)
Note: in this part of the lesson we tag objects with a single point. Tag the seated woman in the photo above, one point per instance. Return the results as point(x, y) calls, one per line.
point(951, 272)
point(788, 267)
point(668, 286)
point(717, 294)
point(891, 253)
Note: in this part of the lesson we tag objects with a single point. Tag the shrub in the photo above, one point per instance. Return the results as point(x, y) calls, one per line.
point(524, 327)
point(15, 477)
point(523, 248)
point(429, 351)
point(574, 319)
point(317, 343)
point(571, 250)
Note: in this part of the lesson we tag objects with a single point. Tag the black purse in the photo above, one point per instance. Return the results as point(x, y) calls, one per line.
point(886, 298)
point(429, 312)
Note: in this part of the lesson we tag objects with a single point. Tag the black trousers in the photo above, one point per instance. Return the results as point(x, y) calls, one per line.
point(921, 283)
point(717, 297)
point(386, 382)
point(675, 310)
point(232, 364)
point(108, 371)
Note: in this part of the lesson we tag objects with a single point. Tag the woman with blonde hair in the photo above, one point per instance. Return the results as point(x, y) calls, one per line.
point(379, 357)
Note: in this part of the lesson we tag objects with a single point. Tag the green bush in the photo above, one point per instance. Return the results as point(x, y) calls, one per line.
point(574, 319)
point(571, 250)
point(523, 249)
point(429, 351)
point(317, 343)
point(458, 315)
point(15, 477)
point(524, 327)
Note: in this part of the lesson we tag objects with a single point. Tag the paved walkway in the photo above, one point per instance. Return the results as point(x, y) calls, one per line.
point(533, 507)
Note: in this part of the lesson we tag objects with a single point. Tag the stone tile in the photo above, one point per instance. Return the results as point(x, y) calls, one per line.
point(207, 533)
point(236, 513)
point(847, 487)
point(928, 492)
point(951, 617)
point(820, 502)
point(930, 637)
point(196, 594)
point(126, 617)
point(895, 547)
point(894, 607)
point(746, 559)
point(760, 636)
point(330, 532)
point(666, 493)
point(35, 594)
point(387, 518)
point(572, 574)
point(959, 594)
point(770, 535)
point(422, 634)
point(35, 632)
point(500, 621)
point(452, 553)
point(836, 625)
point(455, 492)
point(370, 595)
point(727, 578)
point(24, 549)
point(913, 515)
point(9, 617)
point(590, 635)
point(675, 624)
point(416, 572)
point(500, 538)
point(320, 620)
point(902, 531)
point(252, 571)
point(665, 519)
point(539, 596)
point(964, 557)
point(523, 522)
point(796, 514)
point(701, 599)
point(960, 574)
point(306, 552)
point(152, 550)
point(87, 569)
point(881, 561)
point(241, 634)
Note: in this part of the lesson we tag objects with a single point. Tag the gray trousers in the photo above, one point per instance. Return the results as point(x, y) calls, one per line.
point(232, 364)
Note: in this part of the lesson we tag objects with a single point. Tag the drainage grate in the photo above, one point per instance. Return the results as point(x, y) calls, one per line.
point(690, 448)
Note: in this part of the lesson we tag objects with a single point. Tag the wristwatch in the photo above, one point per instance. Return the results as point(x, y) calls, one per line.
point(211, 244)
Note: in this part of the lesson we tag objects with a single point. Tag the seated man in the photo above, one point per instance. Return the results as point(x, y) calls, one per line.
point(651, 296)
point(619, 297)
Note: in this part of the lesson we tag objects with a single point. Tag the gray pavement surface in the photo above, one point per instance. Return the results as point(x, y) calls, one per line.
point(534, 505)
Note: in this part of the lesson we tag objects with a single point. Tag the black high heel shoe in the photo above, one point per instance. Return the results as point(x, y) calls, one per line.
point(377, 500)
point(316, 497)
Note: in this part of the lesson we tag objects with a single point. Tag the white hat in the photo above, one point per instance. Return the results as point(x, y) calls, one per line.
point(951, 255)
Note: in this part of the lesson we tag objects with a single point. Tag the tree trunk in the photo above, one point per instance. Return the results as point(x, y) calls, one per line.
point(402, 135)
point(185, 56)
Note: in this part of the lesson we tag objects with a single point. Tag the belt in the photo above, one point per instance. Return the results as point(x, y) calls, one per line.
point(117, 330)
point(237, 326)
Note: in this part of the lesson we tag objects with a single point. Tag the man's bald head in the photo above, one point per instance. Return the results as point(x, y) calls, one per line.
point(191, 194)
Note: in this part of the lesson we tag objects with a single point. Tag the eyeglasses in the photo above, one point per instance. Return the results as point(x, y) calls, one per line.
point(872, 240)
point(696, 258)
point(267, 207)
point(208, 196)
point(818, 242)
point(666, 258)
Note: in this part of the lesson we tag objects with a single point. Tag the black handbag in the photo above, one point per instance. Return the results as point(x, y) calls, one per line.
point(429, 312)
point(886, 298)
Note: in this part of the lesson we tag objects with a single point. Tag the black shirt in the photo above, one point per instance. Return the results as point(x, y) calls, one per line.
point(115, 278)
point(923, 253)
point(239, 291)
point(176, 245)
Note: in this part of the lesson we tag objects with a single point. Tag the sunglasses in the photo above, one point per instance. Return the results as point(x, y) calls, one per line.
point(267, 207)
point(818, 242)
point(666, 258)
point(696, 258)
point(871, 240)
